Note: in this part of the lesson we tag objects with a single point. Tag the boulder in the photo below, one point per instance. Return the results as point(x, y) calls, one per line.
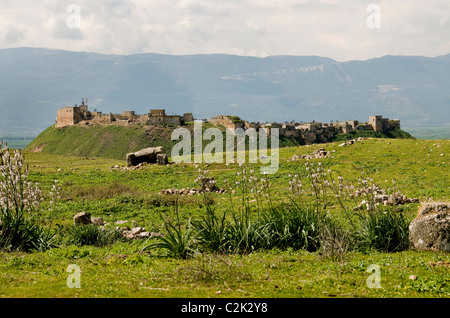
point(161, 159)
point(81, 218)
point(148, 155)
point(430, 230)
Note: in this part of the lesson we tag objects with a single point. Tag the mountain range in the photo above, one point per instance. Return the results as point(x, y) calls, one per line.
point(35, 82)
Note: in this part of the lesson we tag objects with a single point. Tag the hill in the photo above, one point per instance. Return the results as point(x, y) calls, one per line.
point(36, 82)
point(115, 141)
point(107, 141)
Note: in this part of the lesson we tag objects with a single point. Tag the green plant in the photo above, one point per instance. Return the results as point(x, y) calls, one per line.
point(91, 234)
point(177, 242)
point(212, 232)
point(19, 208)
point(290, 225)
point(334, 241)
point(384, 230)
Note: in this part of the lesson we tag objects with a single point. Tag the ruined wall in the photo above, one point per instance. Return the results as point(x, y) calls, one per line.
point(381, 124)
point(68, 116)
point(187, 117)
point(227, 122)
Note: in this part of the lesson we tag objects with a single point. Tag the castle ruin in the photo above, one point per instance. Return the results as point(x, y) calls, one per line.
point(313, 132)
point(308, 133)
point(69, 116)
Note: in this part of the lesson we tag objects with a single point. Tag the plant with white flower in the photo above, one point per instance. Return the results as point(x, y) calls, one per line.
point(20, 202)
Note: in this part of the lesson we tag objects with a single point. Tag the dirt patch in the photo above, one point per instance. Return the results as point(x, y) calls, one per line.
point(39, 148)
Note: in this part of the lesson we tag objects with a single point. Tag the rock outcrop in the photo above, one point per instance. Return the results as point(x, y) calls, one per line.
point(147, 155)
point(430, 230)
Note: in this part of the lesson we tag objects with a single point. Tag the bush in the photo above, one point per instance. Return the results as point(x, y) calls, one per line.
point(385, 231)
point(177, 242)
point(293, 226)
point(91, 234)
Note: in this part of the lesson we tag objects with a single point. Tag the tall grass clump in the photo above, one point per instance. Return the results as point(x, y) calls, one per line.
point(91, 234)
point(376, 227)
point(253, 220)
point(178, 241)
point(20, 207)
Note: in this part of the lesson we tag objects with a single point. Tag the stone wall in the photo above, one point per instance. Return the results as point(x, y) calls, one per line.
point(69, 116)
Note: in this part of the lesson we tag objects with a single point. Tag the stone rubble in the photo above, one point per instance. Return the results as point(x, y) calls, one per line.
point(317, 154)
point(207, 185)
point(387, 200)
point(352, 141)
point(84, 218)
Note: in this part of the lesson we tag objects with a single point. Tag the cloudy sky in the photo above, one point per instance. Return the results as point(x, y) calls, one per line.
point(342, 30)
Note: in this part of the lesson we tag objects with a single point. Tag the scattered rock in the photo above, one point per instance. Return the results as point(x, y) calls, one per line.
point(81, 218)
point(317, 154)
point(137, 232)
point(384, 199)
point(412, 277)
point(207, 185)
point(430, 230)
point(97, 221)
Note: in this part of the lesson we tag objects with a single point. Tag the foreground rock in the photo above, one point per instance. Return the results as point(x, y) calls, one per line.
point(430, 230)
point(147, 155)
point(84, 218)
point(317, 154)
point(207, 185)
point(81, 219)
point(137, 233)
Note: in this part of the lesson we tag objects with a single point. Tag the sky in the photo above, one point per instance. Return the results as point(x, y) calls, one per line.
point(342, 30)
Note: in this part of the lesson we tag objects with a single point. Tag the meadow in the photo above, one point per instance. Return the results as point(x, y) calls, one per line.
point(291, 234)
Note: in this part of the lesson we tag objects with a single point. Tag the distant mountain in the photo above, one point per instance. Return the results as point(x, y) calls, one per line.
point(35, 82)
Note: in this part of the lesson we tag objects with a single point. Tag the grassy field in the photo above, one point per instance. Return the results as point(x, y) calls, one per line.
point(417, 168)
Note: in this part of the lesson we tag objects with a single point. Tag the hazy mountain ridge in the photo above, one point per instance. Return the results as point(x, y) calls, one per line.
point(35, 82)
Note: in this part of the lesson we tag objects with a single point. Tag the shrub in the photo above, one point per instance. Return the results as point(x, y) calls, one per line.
point(290, 225)
point(334, 241)
point(212, 232)
point(177, 242)
point(91, 234)
point(383, 230)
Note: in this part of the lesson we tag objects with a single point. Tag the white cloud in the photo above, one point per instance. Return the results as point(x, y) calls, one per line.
point(331, 28)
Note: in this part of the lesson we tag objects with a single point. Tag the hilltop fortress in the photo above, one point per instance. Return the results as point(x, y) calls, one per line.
point(308, 133)
point(69, 116)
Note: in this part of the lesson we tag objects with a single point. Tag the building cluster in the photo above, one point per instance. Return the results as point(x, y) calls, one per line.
point(69, 116)
point(313, 132)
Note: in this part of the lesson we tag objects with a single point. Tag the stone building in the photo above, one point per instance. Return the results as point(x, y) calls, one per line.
point(158, 116)
point(381, 124)
point(69, 116)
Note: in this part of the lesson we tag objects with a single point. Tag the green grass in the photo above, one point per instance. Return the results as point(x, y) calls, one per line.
point(120, 269)
point(117, 271)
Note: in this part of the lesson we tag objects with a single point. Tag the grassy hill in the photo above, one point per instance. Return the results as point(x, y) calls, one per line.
point(108, 141)
point(115, 141)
